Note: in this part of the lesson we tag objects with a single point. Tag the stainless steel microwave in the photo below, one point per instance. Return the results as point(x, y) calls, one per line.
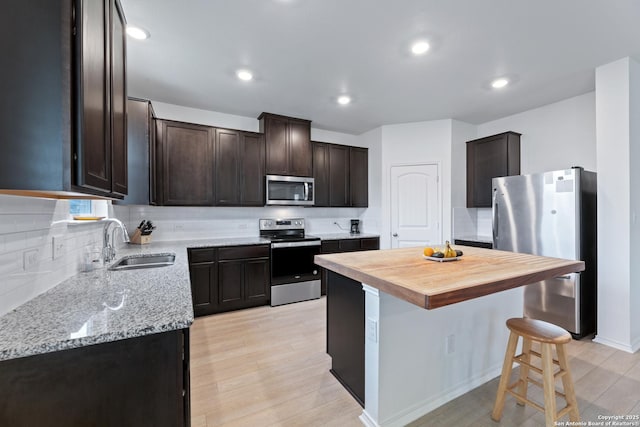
point(289, 190)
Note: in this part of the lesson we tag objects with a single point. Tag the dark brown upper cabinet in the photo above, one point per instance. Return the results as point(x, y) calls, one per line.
point(101, 104)
point(239, 168)
point(185, 158)
point(488, 158)
point(288, 145)
point(341, 175)
point(64, 100)
point(359, 177)
point(140, 140)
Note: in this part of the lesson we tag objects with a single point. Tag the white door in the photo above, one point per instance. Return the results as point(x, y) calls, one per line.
point(415, 206)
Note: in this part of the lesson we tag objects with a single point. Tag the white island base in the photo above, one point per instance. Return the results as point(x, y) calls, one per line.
point(416, 360)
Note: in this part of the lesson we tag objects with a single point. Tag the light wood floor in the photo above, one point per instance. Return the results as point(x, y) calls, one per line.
point(267, 366)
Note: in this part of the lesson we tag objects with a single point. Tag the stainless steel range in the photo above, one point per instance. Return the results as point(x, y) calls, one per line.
point(294, 276)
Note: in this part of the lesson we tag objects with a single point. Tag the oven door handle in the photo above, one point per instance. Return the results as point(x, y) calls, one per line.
point(294, 244)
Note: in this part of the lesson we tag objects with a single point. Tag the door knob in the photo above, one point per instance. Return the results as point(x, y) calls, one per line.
point(395, 234)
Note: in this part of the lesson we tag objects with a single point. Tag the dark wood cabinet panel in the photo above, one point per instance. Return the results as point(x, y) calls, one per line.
point(141, 381)
point(288, 145)
point(119, 160)
point(252, 152)
point(370, 243)
point(239, 168)
point(300, 155)
point(338, 175)
point(276, 131)
point(346, 333)
point(321, 173)
point(64, 95)
point(257, 281)
point(229, 278)
point(140, 140)
point(227, 167)
point(341, 175)
point(359, 177)
point(187, 164)
point(93, 155)
point(487, 158)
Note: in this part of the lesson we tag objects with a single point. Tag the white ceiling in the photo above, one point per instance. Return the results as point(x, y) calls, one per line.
point(304, 53)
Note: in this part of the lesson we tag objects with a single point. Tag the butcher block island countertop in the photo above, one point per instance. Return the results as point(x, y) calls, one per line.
point(405, 274)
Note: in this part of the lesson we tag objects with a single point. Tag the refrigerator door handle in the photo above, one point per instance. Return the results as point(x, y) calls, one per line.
point(494, 214)
point(567, 277)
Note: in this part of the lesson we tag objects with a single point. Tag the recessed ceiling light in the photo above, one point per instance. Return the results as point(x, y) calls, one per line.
point(137, 32)
point(344, 99)
point(244, 75)
point(420, 48)
point(499, 83)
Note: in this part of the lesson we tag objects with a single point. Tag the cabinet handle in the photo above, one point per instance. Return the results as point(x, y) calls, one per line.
point(395, 234)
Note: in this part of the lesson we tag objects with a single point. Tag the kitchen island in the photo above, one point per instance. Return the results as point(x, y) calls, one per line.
point(428, 337)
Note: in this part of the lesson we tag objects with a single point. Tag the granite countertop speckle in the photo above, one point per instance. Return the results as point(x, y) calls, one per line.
point(103, 306)
point(344, 235)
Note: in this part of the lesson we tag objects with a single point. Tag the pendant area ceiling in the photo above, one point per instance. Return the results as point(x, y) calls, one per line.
point(304, 54)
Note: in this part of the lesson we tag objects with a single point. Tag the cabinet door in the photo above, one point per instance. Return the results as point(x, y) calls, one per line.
point(230, 285)
point(276, 138)
point(338, 175)
point(321, 173)
point(359, 177)
point(300, 153)
point(227, 170)
point(252, 171)
point(370, 243)
point(204, 291)
point(187, 157)
point(487, 158)
point(257, 282)
point(119, 159)
point(93, 139)
point(138, 149)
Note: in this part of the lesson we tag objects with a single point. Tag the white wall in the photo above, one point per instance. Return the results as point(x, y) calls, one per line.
point(204, 117)
point(27, 228)
point(617, 103)
point(556, 136)
point(416, 143)
point(372, 216)
point(461, 132)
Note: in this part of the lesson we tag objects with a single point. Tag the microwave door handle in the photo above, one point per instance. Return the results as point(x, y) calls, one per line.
point(306, 191)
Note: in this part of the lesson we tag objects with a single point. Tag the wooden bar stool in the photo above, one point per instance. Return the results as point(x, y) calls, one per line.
point(547, 335)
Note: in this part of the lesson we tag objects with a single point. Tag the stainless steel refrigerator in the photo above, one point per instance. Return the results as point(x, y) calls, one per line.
point(552, 214)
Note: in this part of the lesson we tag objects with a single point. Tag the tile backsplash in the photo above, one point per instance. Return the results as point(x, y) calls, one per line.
point(472, 223)
point(180, 223)
point(29, 264)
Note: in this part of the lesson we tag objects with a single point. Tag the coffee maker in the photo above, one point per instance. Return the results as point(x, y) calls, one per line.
point(355, 226)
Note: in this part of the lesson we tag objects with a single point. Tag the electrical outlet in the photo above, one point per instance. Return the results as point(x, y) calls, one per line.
point(30, 259)
point(57, 243)
point(242, 226)
point(450, 344)
point(372, 330)
point(178, 227)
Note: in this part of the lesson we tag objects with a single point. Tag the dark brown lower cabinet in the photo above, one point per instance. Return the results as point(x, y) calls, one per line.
point(141, 381)
point(345, 245)
point(229, 278)
point(346, 332)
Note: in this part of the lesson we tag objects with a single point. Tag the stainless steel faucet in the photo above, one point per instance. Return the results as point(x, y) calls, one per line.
point(108, 248)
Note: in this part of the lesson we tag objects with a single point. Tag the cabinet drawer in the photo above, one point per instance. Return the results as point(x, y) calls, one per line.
point(202, 255)
point(370, 243)
point(349, 245)
point(330, 247)
point(240, 252)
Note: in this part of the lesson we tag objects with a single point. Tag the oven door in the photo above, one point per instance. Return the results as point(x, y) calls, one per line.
point(292, 262)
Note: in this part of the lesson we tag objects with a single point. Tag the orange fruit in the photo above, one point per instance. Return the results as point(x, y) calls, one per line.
point(428, 251)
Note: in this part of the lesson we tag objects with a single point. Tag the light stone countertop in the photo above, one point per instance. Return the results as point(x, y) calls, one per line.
point(103, 306)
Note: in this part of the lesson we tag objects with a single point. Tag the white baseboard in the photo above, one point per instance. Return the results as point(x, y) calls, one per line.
point(629, 348)
point(366, 419)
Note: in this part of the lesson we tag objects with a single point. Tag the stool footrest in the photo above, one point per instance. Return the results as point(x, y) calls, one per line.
point(536, 382)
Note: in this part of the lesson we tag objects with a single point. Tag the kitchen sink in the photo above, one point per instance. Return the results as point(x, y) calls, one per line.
point(131, 262)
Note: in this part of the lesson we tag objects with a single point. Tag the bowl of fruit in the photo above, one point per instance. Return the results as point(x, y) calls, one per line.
point(444, 254)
